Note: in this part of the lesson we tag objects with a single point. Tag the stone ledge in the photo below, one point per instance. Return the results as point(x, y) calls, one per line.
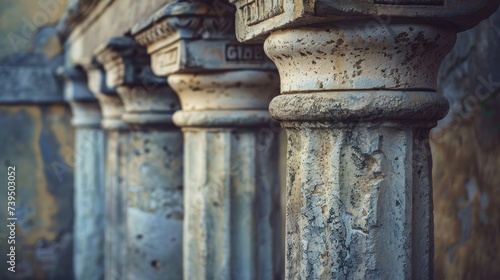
point(28, 84)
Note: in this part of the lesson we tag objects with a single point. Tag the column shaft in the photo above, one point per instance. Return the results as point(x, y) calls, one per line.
point(231, 191)
point(90, 153)
point(154, 204)
point(115, 197)
point(359, 202)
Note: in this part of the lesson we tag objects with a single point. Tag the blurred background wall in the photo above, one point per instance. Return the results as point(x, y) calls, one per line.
point(466, 158)
point(36, 137)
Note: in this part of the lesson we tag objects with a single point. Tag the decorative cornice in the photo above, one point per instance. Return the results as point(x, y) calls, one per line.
point(184, 19)
point(97, 79)
point(189, 36)
point(256, 19)
point(126, 63)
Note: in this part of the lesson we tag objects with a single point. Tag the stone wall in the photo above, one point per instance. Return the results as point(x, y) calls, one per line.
point(36, 137)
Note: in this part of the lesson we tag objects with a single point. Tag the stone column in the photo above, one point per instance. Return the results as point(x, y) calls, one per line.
point(117, 141)
point(231, 227)
point(358, 84)
point(89, 176)
point(153, 200)
point(116, 131)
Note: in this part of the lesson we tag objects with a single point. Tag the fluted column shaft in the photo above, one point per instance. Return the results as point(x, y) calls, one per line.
point(232, 223)
point(90, 150)
point(358, 84)
point(115, 199)
point(150, 237)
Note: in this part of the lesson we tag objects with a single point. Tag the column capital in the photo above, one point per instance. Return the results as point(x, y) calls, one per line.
point(125, 62)
point(111, 104)
point(85, 108)
point(220, 82)
point(191, 37)
point(256, 19)
point(147, 98)
point(226, 99)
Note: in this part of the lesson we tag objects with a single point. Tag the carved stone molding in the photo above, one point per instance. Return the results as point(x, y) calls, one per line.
point(256, 19)
point(85, 108)
point(147, 98)
point(187, 36)
point(111, 104)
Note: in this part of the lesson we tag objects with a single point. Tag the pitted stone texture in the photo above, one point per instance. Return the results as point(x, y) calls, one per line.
point(232, 227)
point(359, 202)
point(354, 56)
point(89, 203)
point(154, 205)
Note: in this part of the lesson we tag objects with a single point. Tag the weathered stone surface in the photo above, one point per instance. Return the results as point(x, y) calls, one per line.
point(231, 214)
point(203, 39)
point(38, 141)
point(115, 199)
point(115, 184)
point(359, 202)
point(353, 56)
point(152, 160)
point(22, 85)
